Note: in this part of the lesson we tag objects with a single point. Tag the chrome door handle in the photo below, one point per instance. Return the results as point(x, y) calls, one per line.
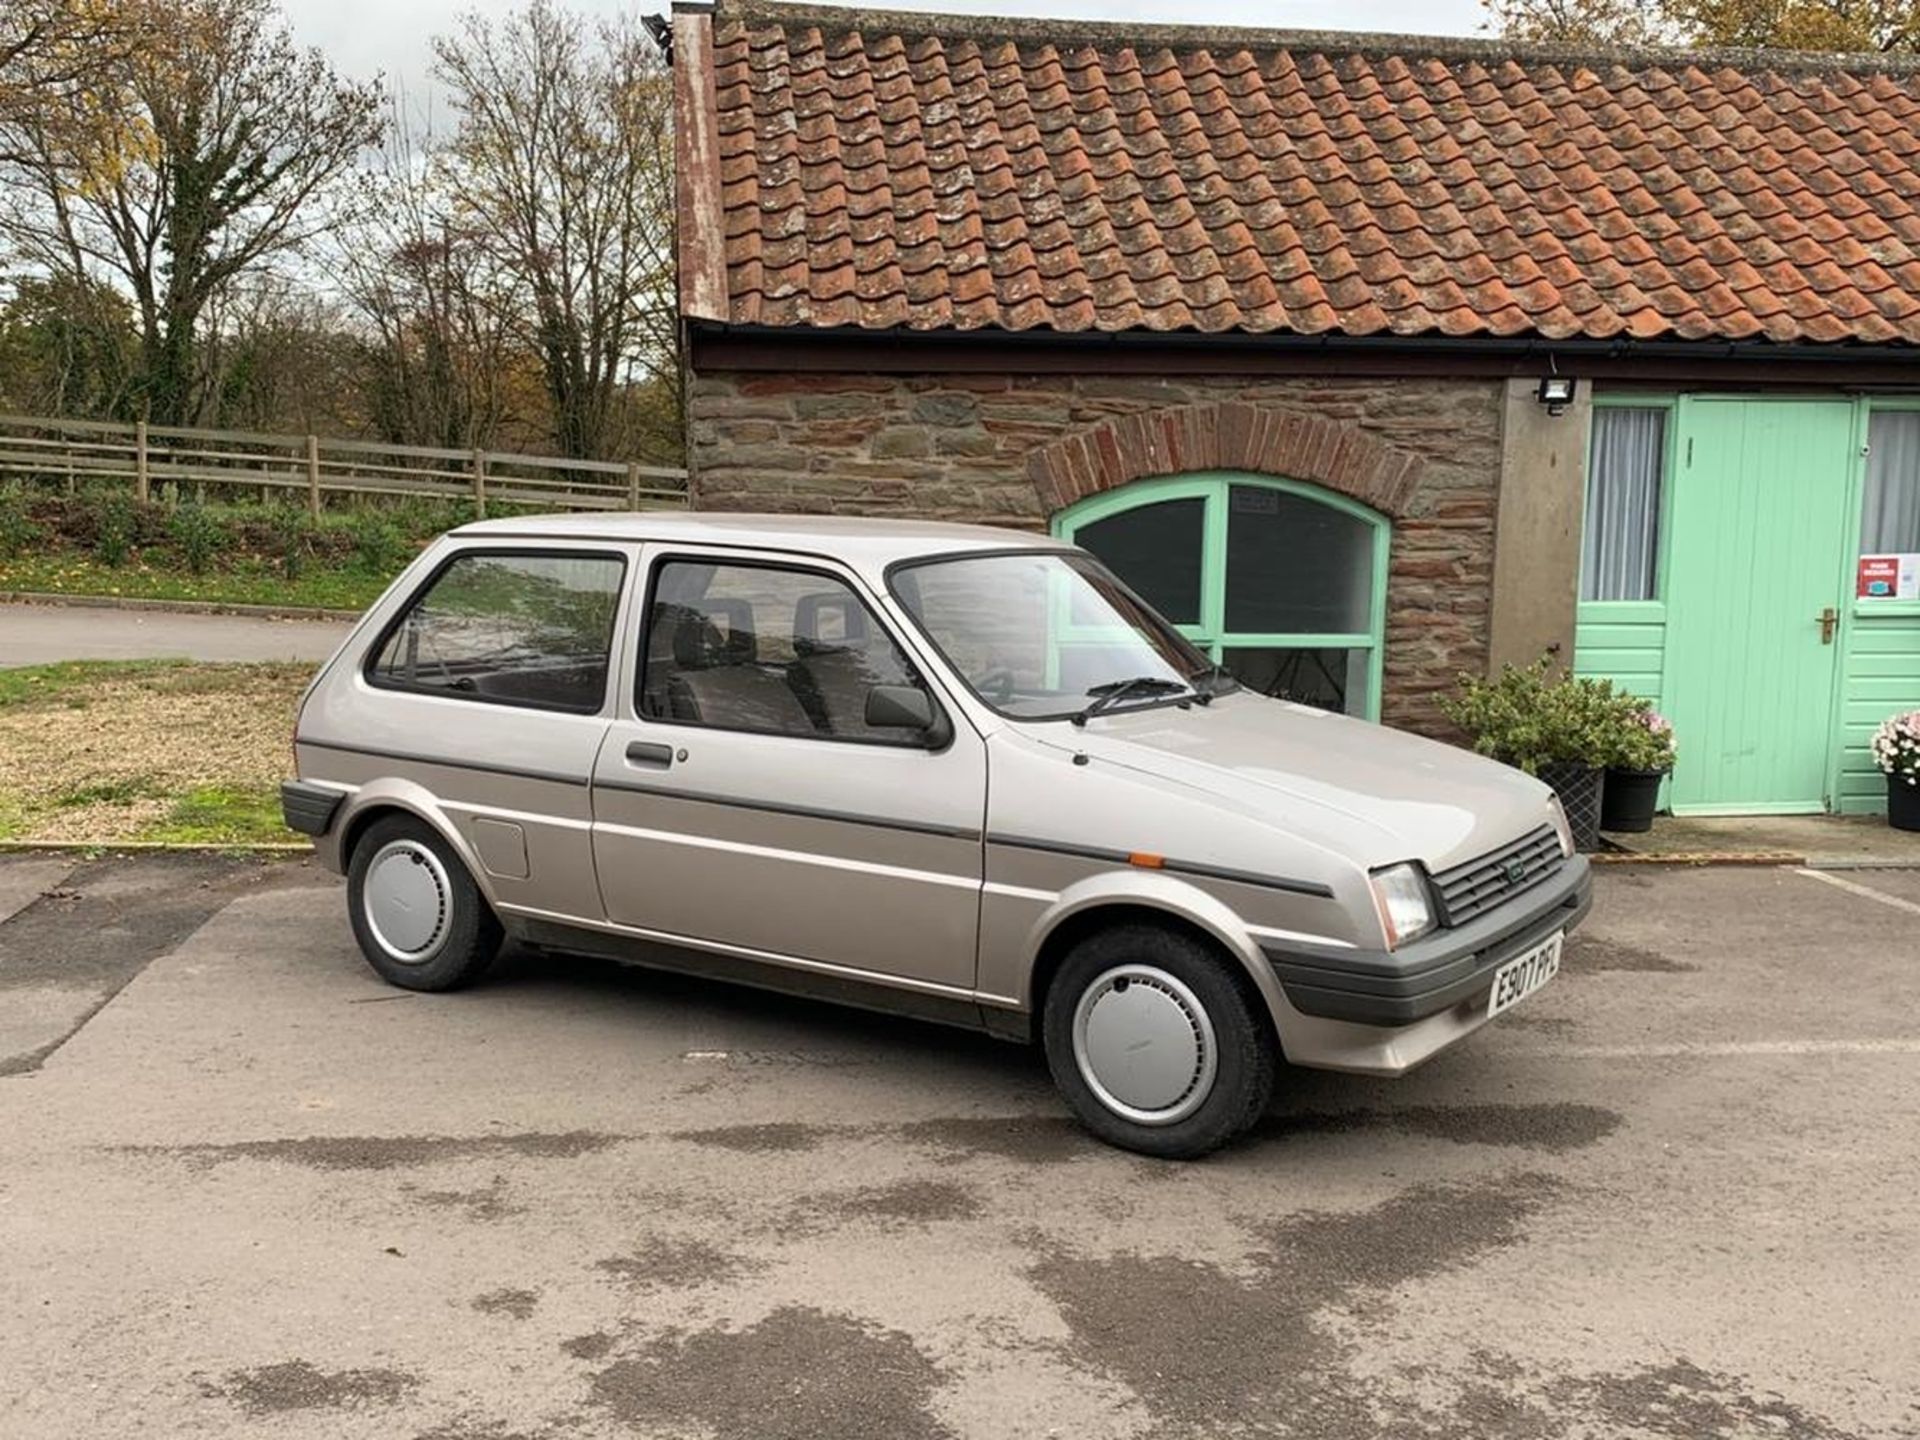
point(1829, 621)
point(644, 752)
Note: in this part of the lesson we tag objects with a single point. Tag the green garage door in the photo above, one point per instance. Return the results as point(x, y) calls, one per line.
point(1756, 558)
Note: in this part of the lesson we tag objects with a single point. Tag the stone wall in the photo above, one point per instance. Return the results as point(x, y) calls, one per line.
point(976, 448)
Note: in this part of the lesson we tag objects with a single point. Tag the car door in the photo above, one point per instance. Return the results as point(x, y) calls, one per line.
point(742, 801)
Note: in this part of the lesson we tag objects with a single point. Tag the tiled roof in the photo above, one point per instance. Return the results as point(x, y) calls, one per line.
point(929, 176)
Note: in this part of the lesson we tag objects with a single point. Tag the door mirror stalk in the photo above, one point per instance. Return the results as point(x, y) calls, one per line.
point(908, 707)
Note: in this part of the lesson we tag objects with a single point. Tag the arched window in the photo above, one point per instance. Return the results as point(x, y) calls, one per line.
point(1282, 583)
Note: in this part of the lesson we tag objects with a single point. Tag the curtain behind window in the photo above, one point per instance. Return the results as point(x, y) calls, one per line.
point(1890, 521)
point(1622, 533)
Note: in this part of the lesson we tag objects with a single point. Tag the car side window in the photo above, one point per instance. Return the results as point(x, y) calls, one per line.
point(513, 628)
point(765, 648)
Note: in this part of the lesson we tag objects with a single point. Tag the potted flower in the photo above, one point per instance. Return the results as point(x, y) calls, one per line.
point(1643, 757)
point(1561, 728)
point(1896, 750)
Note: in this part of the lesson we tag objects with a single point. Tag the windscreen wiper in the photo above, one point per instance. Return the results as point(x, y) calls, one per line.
point(1114, 691)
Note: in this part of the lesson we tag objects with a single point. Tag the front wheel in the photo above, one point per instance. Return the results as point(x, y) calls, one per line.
point(1156, 1044)
point(421, 921)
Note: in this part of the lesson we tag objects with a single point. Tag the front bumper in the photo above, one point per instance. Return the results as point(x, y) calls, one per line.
point(1437, 971)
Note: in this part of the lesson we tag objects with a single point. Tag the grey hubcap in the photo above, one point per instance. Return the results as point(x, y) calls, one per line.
point(1144, 1045)
point(408, 901)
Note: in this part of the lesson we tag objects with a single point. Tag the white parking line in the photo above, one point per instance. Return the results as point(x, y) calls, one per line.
point(1731, 1049)
point(1865, 892)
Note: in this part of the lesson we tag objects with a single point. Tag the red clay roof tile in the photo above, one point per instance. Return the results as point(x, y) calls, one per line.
point(937, 180)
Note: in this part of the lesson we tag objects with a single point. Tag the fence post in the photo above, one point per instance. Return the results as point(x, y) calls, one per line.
point(633, 485)
point(313, 476)
point(140, 461)
point(479, 484)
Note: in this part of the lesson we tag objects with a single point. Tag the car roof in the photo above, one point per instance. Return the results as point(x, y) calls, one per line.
point(857, 540)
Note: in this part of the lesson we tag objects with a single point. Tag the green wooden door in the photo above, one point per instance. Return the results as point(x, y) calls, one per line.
point(1759, 516)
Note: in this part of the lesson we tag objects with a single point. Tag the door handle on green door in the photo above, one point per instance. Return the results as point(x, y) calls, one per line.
point(1829, 620)
point(642, 752)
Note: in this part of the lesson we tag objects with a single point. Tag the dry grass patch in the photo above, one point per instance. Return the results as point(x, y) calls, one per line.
point(146, 751)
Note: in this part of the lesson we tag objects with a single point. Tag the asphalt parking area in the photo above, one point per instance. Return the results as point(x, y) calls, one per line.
point(248, 1189)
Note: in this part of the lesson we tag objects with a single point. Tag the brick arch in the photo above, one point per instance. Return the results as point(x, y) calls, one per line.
point(1274, 440)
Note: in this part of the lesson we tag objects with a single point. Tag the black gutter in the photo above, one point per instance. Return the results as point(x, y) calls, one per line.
point(1506, 347)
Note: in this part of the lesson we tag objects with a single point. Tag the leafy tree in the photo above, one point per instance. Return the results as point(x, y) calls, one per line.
point(1863, 26)
point(194, 159)
point(67, 347)
point(561, 169)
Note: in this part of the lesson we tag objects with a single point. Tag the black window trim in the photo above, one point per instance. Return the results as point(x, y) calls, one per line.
point(1224, 682)
point(774, 560)
point(432, 578)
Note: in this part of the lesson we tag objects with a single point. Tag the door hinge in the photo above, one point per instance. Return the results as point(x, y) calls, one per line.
point(1689, 452)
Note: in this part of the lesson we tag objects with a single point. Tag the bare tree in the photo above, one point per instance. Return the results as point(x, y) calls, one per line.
point(435, 310)
point(1831, 25)
point(562, 167)
point(194, 159)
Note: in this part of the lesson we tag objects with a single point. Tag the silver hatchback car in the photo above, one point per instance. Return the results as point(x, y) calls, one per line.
point(944, 770)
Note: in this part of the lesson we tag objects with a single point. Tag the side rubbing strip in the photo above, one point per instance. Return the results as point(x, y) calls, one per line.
point(805, 812)
point(1182, 867)
point(516, 771)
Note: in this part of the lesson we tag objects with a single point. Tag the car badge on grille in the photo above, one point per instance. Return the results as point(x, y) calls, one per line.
point(1516, 871)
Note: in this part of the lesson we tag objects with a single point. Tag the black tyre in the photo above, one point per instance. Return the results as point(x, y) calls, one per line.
point(421, 921)
point(1158, 1045)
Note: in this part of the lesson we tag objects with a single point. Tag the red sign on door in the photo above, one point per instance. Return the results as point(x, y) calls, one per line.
point(1879, 577)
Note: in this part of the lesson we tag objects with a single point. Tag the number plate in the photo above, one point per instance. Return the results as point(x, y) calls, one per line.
point(1520, 977)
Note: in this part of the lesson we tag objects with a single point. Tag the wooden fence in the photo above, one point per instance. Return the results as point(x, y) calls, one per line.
point(147, 457)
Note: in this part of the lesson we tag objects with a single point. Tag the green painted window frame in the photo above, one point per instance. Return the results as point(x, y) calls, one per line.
point(1210, 634)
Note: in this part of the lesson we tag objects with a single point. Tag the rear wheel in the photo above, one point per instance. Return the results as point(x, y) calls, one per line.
point(421, 921)
point(1156, 1044)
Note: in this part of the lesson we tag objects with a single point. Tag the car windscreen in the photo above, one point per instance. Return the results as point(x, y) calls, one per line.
point(1041, 634)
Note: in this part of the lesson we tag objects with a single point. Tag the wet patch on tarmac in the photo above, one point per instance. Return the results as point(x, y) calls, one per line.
point(508, 1301)
point(388, 1152)
point(674, 1264)
point(1552, 1127)
point(1185, 1335)
point(1028, 1139)
point(1676, 1400)
point(594, 1345)
point(1593, 952)
point(298, 1385)
point(756, 1139)
point(798, 1374)
point(914, 1201)
point(486, 1204)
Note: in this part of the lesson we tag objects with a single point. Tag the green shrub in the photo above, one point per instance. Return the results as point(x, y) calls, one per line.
point(1529, 717)
point(378, 546)
point(18, 533)
point(114, 529)
point(293, 531)
point(199, 535)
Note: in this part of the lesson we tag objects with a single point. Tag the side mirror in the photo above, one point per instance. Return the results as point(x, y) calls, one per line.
point(908, 707)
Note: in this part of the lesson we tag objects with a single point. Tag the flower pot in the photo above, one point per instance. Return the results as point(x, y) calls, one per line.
point(1903, 803)
point(1627, 804)
point(1580, 788)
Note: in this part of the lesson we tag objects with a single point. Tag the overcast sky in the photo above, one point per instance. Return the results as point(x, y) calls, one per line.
point(363, 37)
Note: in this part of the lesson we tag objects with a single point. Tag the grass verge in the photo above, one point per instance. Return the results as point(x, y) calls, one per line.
point(146, 751)
point(240, 581)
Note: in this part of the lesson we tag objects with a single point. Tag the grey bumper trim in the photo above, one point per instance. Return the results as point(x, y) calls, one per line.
point(309, 809)
point(1437, 972)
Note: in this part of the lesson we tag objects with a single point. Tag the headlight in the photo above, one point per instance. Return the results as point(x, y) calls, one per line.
point(1401, 894)
point(1558, 814)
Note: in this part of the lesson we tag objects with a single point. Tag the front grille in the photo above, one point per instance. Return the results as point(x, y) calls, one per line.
point(1476, 887)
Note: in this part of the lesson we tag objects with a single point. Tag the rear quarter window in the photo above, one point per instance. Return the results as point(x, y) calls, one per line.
point(519, 628)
